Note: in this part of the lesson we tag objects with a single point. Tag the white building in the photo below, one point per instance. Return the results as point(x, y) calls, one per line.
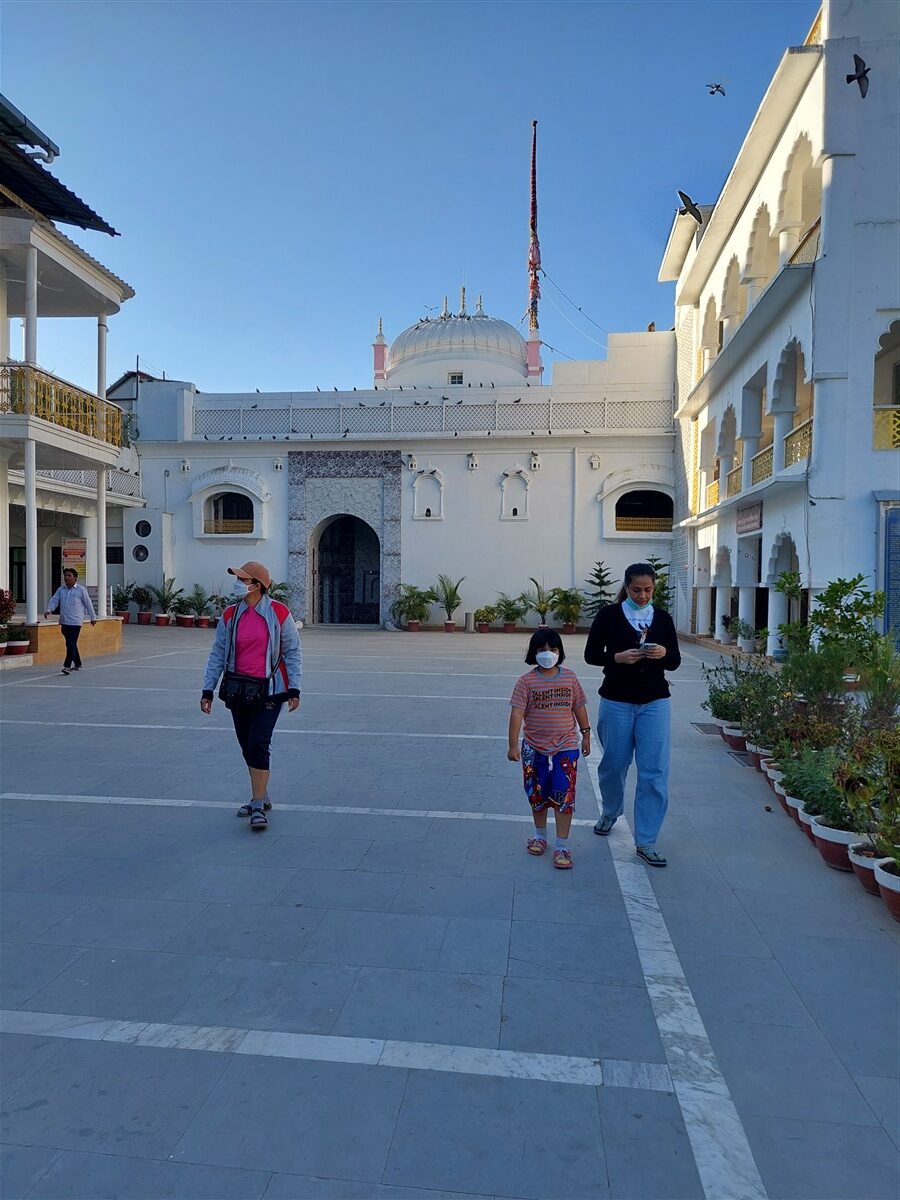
point(787, 319)
point(458, 459)
point(63, 464)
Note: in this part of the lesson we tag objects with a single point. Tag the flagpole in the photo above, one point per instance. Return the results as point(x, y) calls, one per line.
point(535, 366)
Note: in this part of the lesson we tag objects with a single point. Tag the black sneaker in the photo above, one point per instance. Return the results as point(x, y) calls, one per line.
point(650, 856)
point(246, 809)
point(65, 671)
point(604, 825)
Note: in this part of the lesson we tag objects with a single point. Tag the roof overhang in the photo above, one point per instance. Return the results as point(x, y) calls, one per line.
point(786, 284)
point(789, 82)
point(15, 127)
point(684, 231)
point(26, 181)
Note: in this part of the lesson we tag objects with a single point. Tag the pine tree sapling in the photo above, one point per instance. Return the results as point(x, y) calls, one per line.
point(601, 587)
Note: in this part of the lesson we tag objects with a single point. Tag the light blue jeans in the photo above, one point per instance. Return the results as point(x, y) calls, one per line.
point(641, 732)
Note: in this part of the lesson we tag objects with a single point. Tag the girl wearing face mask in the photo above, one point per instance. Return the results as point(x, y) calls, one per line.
point(550, 704)
point(635, 643)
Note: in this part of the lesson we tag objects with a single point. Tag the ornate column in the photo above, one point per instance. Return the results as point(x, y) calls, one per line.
point(788, 241)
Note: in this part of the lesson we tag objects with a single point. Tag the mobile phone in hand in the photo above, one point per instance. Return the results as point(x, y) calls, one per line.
point(649, 646)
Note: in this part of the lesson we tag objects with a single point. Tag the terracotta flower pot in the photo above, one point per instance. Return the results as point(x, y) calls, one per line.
point(509, 627)
point(782, 798)
point(412, 626)
point(202, 622)
point(734, 736)
point(863, 857)
point(889, 885)
point(184, 621)
point(144, 618)
point(832, 844)
point(793, 807)
point(17, 646)
point(568, 628)
point(123, 614)
point(162, 618)
point(764, 756)
point(481, 626)
point(753, 755)
point(806, 820)
point(449, 627)
point(2, 649)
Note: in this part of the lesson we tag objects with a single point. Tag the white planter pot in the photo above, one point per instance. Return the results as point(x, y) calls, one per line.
point(751, 749)
point(843, 837)
point(779, 790)
point(886, 879)
point(806, 821)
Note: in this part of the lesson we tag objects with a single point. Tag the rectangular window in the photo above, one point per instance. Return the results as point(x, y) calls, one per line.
point(455, 378)
point(115, 555)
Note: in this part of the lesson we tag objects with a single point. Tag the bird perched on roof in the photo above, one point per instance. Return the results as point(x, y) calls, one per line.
point(257, 391)
point(860, 75)
point(519, 401)
point(335, 389)
point(382, 404)
point(689, 207)
point(447, 398)
point(458, 403)
point(318, 389)
point(417, 403)
point(362, 402)
point(651, 328)
point(344, 434)
point(255, 405)
point(716, 89)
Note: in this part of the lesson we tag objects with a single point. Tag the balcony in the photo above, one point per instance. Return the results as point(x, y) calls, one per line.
point(735, 481)
point(643, 524)
point(118, 483)
point(28, 391)
point(226, 527)
point(808, 249)
point(762, 465)
point(886, 430)
point(712, 494)
point(798, 443)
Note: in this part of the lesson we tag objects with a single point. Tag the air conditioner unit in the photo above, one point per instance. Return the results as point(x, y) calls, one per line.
point(147, 542)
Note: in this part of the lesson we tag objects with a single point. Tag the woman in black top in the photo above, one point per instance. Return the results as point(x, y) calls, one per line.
point(635, 644)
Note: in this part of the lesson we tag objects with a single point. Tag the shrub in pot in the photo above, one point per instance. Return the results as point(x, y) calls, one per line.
point(568, 604)
point(764, 707)
point(16, 640)
point(122, 595)
point(197, 603)
point(144, 601)
point(3, 637)
point(484, 618)
point(7, 605)
point(510, 610)
point(537, 599)
point(412, 606)
point(807, 778)
point(869, 779)
point(446, 593)
point(880, 683)
point(167, 597)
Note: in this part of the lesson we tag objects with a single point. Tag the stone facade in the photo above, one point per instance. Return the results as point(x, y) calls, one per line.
point(331, 483)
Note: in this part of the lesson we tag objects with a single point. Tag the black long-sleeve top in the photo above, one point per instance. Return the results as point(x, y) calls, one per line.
point(610, 634)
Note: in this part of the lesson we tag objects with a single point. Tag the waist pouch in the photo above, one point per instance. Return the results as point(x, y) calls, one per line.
point(245, 691)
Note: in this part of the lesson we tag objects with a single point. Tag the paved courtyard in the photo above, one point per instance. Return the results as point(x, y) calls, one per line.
point(383, 995)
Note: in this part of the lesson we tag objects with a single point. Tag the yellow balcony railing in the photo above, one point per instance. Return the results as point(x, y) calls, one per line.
point(735, 480)
point(762, 464)
point(219, 526)
point(643, 524)
point(798, 443)
point(712, 494)
point(29, 391)
point(886, 432)
point(814, 37)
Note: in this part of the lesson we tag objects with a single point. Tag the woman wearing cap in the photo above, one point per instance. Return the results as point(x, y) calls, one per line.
point(256, 653)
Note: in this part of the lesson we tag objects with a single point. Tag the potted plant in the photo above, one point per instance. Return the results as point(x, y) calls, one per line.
point(744, 634)
point(510, 609)
point(484, 618)
point(144, 601)
point(412, 606)
point(537, 599)
point(184, 618)
point(196, 602)
point(279, 591)
point(122, 595)
point(869, 779)
point(764, 706)
point(16, 640)
point(723, 701)
point(446, 594)
point(602, 589)
point(567, 607)
point(804, 780)
point(7, 605)
point(761, 639)
point(3, 637)
point(166, 597)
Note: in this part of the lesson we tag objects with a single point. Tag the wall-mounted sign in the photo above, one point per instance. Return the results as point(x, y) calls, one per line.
point(74, 555)
point(749, 518)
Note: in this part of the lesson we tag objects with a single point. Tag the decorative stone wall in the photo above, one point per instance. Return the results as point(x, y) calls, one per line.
point(329, 483)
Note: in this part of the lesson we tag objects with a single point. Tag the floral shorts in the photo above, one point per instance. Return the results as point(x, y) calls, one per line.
point(536, 798)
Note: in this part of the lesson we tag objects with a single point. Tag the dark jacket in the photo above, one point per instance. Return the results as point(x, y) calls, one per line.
point(644, 681)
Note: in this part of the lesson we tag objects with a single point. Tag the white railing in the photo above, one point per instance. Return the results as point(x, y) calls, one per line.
point(120, 483)
point(386, 420)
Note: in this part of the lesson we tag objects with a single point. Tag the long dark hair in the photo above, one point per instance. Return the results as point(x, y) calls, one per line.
point(631, 573)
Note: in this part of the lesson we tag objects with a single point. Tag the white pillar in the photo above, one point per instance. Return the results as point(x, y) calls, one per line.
point(89, 533)
point(4, 317)
point(31, 535)
point(101, 542)
point(723, 608)
point(783, 423)
point(704, 611)
point(788, 241)
point(754, 285)
point(751, 445)
point(4, 521)
point(777, 615)
point(101, 356)
point(728, 326)
point(31, 304)
point(747, 611)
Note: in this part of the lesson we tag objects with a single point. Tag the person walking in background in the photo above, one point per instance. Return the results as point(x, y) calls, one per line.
point(635, 643)
point(73, 604)
point(256, 653)
point(550, 703)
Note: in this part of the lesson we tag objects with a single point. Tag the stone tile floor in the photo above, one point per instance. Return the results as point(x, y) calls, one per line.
point(382, 995)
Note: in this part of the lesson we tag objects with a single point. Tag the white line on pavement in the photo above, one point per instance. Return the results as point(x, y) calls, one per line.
point(417, 1056)
point(468, 737)
point(721, 1150)
point(112, 687)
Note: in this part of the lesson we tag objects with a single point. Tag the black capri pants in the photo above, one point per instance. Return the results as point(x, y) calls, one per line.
point(254, 728)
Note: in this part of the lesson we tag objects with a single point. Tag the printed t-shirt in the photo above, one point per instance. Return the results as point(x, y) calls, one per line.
point(549, 702)
point(639, 621)
point(252, 645)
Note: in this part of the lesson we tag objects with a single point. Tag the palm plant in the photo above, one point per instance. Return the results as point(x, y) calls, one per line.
point(538, 599)
point(568, 604)
point(509, 608)
point(166, 596)
point(279, 591)
point(122, 595)
point(197, 601)
point(413, 603)
point(447, 594)
point(143, 598)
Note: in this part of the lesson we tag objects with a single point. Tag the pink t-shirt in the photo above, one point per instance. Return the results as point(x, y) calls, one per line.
point(252, 645)
point(549, 704)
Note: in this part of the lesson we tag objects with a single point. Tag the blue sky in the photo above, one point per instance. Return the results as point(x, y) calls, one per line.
point(285, 173)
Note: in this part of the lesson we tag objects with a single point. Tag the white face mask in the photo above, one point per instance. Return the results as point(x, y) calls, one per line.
point(240, 590)
point(547, 658)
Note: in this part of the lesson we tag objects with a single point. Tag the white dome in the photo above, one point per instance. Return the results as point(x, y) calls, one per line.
point(464, 333)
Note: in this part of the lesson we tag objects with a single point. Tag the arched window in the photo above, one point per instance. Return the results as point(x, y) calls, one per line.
point(228, 512)
point(644, 511)
point(886, 391)
point(514, 488)
point(428, 494)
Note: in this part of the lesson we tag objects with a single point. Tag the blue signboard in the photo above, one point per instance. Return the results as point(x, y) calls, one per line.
point(892, 571)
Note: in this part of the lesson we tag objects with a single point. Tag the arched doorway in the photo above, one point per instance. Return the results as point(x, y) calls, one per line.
point(346, 572)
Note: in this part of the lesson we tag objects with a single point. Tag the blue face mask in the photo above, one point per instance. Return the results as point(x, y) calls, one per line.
point(637, 607)
point(239, 590)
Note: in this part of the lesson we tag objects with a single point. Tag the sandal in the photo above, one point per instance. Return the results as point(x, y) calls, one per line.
point(536, 845)
point(650, 856)
point(246, 809)
point(562, 860)
point(258, 819)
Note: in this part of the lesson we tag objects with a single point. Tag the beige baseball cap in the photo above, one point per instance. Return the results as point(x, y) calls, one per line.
point(252, 570)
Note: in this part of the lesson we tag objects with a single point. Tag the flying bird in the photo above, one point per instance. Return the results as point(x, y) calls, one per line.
point(861, 75)
point(689, 207)
point(716, 89)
